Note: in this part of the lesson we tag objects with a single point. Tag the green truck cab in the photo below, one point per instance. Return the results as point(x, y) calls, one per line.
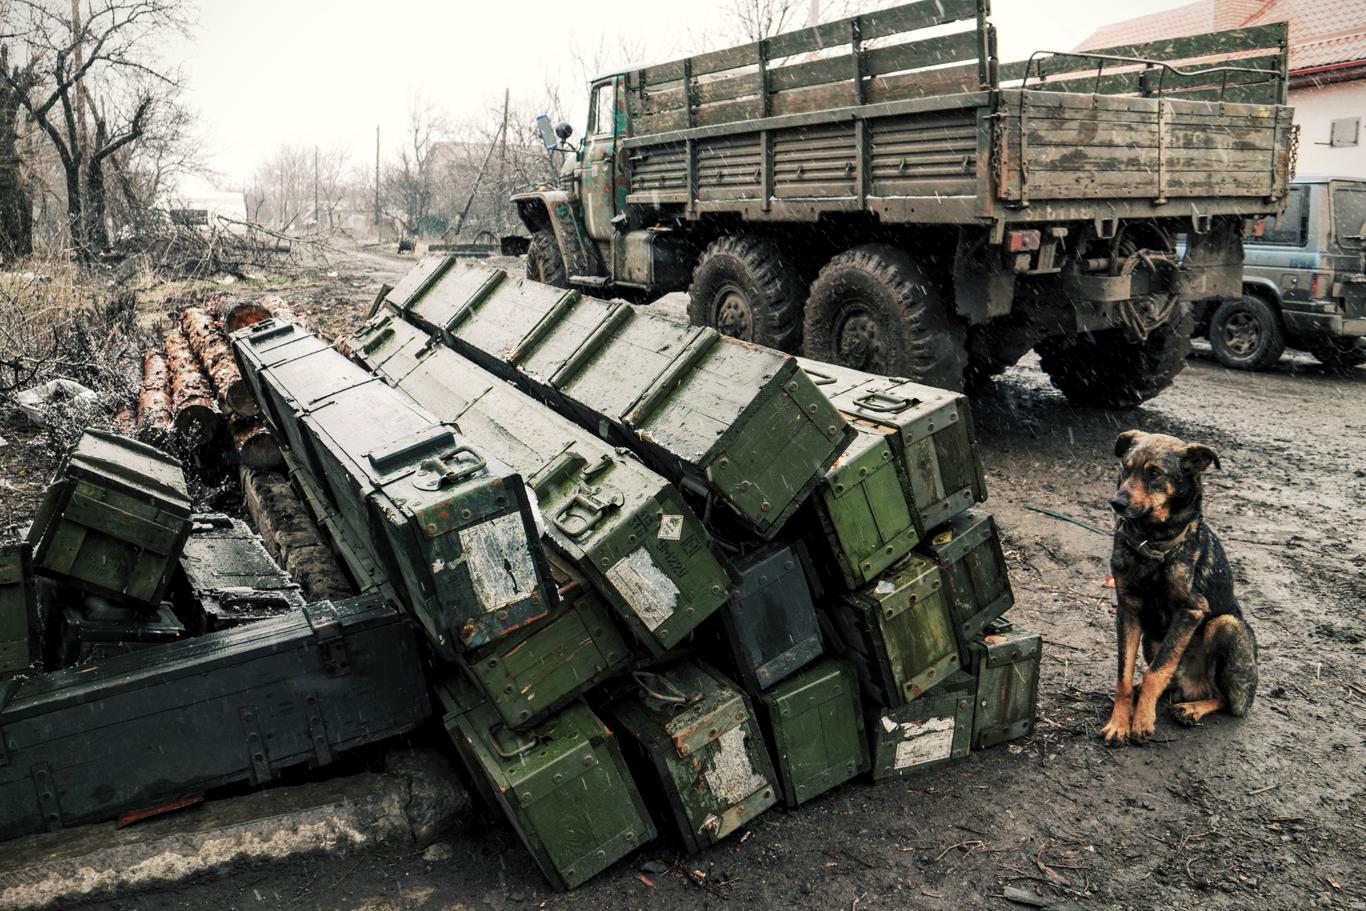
point(883, 192)
point(1304, 283)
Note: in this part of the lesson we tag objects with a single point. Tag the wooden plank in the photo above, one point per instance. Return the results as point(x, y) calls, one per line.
point(1131, 81)
point(1064, 158)
point(1142, 184)
point(1230, 41)
point(1053, 132)
point(930, 52)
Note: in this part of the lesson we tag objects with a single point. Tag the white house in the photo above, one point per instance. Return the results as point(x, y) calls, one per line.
point(1327, 66)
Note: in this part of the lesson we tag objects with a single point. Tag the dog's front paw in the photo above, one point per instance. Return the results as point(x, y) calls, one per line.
point(1117, 731)
point(1143, 726)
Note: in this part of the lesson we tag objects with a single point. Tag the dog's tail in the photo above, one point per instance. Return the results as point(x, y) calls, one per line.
point(1233, 648)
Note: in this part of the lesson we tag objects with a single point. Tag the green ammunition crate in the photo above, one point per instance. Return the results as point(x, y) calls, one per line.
point(113, 520)
point(968, 553)
point(382, 344)
point(697, 733)
point(898, 632)
point(97, 630)
point(925, 733)
point(739, 420)
point(228, 578)
point(1007, 668)
point(540, 669)
point(769, 627)
point(238, 706)
point(562, 784)
point(264, 346)
point(929, 429)
point(20, 647)
point(452, 527)
point(863, 517)
point(621, 525)
point(814, 725)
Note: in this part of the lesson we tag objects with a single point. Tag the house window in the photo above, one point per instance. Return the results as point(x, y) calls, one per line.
point(1345, 132)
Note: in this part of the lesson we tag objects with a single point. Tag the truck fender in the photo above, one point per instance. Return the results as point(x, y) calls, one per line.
point(1213, 265)
point(559, 210)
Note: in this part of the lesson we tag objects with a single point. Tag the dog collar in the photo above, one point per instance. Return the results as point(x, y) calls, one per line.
point(1149, 549)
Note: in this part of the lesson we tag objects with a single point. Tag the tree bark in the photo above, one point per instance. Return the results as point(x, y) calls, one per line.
point(197, 419)
point(154, 400)
point(256, 445)
point(214, 352)
point(295, 541)
point(16, 206)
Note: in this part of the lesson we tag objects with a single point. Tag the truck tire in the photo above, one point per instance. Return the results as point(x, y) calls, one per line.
point(543, 260)
point(1108, 369)
point(1339, 353)
point(875, 309)
point(1246, 334)
point(749, 287)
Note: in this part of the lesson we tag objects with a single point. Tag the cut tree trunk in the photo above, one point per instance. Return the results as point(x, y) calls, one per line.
point(247, 313)
point(197, 419)
point(154, 400)
point(214, 352)
point(256, 445)
point(282, 521)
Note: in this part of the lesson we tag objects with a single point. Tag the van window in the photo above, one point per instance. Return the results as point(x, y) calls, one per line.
point(1293, 225)
point(1349, 214)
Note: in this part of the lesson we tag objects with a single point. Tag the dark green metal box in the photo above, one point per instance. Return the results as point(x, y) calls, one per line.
point(697, 734)
point(538, 670)
point(769, 627)
point(227, 577)
point(897, 631)
point(20, 647)
point(814, 726)
point(562, 784)
point(237, 706)
point(968, 553)
point(113, 520)
point(925, 733)
point(1007, 668)
point(96, 630)
point(862, 519)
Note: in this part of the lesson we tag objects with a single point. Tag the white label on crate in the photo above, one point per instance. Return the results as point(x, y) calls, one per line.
point(501, 566)
point(728, 771)
point(651, 594)
point(670, 528)
point(925, 741)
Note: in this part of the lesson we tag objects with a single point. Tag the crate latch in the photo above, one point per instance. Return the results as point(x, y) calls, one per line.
point(322, 619)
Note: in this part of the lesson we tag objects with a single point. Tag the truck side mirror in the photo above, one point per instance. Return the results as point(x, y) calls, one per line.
point(563, 131)
point(548, 138)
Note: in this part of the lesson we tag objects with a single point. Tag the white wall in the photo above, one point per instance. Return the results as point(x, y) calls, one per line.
point(1315, 110)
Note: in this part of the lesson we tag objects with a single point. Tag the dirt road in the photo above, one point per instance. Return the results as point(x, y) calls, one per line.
point(1266, 812)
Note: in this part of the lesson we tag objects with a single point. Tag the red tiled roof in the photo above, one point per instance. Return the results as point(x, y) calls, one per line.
point(1322, 32)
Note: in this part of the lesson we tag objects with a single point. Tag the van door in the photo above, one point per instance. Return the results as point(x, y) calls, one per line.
point(599, 161)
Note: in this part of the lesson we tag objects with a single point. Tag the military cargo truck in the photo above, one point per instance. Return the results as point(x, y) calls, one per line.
point(882, 192)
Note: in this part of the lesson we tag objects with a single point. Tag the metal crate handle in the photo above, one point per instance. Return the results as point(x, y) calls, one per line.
point(522, 746)
point(445, 472)
point(577, 526)
point(883, 403)
point(661, 689)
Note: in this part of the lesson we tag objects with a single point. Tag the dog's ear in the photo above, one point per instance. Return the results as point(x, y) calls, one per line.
point(1198, 457)
point(1126, 440)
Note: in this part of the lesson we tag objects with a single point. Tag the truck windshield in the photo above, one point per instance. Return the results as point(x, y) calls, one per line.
point(1349, 214)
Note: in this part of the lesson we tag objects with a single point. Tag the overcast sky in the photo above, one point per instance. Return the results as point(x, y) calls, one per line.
point(326, 72)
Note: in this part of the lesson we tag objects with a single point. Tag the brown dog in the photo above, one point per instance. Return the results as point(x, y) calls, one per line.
point(1175, 593)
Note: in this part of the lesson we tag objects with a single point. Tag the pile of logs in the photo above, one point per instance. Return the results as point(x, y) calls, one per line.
point(192, 391)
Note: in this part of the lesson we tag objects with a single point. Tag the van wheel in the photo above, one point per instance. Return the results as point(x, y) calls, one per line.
point(544, 263)
point(875, 309)
point(1108, 369)
point(750, 288)
point(1246, 334)
point(1339, 353)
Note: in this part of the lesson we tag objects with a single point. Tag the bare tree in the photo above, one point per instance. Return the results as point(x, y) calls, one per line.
point(410, 184)
point(88, 78)
point(16, 204)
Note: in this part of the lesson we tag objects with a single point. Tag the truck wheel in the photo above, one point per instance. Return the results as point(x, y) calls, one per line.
point(1109, 370)
point(748, 287)
point(1246, 334)
point(1339, 353)
point(874, 308)
point(544, 262)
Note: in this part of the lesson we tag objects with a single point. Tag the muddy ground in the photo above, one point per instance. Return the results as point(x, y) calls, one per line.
point(1265, 812)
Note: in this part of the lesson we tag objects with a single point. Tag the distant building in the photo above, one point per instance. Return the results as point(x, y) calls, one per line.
point(1327, 66)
